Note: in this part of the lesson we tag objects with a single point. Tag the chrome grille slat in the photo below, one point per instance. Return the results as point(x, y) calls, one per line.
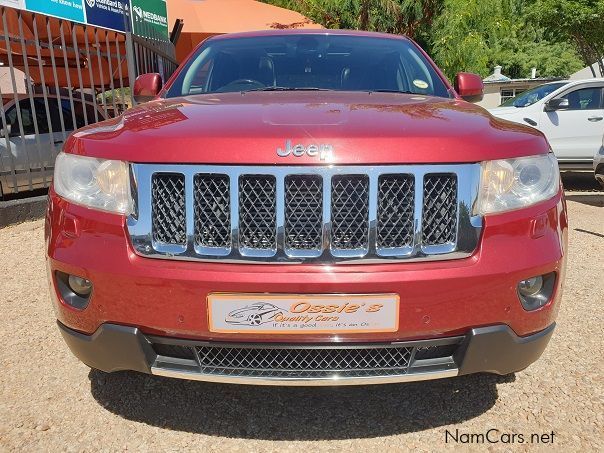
point(258, 212)
point(395, 211)
point(294, 214)
point(349, 212)
point(440, 209)
point(212, 213)
point(168, 206)
point(303, 212)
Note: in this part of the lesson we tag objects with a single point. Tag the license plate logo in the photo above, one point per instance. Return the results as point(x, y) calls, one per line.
point(302, 314)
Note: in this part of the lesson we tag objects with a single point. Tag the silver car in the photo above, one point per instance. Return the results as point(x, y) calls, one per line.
point(27, 160)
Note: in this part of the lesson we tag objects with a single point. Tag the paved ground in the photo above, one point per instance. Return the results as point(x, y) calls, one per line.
point(50, 401)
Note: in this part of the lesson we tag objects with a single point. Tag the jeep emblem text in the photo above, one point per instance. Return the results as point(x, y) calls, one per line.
point(324, 151)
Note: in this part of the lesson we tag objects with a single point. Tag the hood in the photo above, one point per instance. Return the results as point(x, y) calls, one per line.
point(360, 128)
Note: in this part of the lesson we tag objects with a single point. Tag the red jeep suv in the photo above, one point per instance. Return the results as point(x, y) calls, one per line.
point(306, 208)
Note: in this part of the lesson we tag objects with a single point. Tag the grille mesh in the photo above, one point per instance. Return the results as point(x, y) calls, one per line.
point(395, 211)
point(303, 212)
point(212, 210)
point(349, 211)
point(257, 211)
point(168, 207)
point(303, 362)
point(439, 209)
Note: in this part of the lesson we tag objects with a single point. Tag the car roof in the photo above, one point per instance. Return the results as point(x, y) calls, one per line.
point(579, 82)
point(293, 32)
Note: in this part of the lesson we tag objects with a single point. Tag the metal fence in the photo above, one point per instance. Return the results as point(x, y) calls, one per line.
point(57, 76)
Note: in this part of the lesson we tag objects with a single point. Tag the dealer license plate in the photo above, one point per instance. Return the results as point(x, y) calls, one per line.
point(303, 314)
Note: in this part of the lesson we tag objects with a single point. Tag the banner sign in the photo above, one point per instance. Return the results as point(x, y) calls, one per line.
point(63, 9)
point(146, 18)
point(149, 18)
point(112, 14)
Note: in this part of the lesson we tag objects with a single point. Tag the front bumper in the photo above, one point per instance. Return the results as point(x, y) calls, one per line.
point(493, 349)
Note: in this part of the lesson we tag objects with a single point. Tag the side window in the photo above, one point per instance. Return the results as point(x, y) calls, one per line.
point(27, 119)
point(67, 116)
point(584, 99)
point(41, 114)
point(83, 119)
point(90, 111)
point(80, 115)
point(11, 120)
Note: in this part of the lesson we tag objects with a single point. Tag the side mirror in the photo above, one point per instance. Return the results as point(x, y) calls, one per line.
point(556, 104)
point(469, 86)
point(147, 87)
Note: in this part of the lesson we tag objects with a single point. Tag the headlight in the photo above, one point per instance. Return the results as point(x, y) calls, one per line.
point(517, 183)
point(96, 183)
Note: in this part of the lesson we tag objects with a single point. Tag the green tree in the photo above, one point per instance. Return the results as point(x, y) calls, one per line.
point(461, 35)
point(409, 17)
point(578, 21)
point(476, 35)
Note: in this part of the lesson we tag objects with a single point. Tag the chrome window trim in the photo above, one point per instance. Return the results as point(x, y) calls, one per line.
point(469, 226)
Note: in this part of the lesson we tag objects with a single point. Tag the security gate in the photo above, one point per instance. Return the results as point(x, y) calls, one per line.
point(57, 76)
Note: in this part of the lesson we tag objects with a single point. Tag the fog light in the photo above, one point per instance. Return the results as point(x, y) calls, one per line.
point(528, 287)
point(74, 290)
point(80, 286)
point(537, 291)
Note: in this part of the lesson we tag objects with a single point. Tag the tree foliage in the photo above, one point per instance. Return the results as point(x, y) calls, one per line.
point(476, 35)
point(466, 35)
point(578, 21)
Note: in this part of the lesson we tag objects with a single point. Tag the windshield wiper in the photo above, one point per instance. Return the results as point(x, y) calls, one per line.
point(391, 91)
point(270, 88)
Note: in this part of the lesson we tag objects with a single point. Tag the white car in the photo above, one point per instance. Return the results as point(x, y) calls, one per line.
point(569, 113)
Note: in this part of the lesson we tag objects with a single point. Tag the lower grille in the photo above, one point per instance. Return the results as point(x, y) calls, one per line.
point(308, 362)
point(304, 362)
point(305, 214)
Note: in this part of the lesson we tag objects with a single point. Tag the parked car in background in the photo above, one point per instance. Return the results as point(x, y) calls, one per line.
point(599, 165)
point(27, 159)
point(570, 114)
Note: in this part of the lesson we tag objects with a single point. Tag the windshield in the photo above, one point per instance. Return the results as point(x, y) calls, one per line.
point(529, 97)
point(308, 62)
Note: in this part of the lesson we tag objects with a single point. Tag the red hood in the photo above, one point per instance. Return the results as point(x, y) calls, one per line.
point(362, 128)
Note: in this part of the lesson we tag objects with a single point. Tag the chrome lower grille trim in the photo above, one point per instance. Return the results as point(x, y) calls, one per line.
point(285, 381)
point(296, 214)
point(324, 364)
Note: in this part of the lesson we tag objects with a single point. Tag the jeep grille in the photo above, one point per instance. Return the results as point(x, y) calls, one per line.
point(302, 214)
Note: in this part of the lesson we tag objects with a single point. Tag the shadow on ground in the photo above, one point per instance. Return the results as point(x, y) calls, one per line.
point(580, 182)
point(583, 188)
point(294, 413)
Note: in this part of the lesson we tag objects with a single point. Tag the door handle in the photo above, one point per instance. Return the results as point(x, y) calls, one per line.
point(58, 142)
point(593, 119)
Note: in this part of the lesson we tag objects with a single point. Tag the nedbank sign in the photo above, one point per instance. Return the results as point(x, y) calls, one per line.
point(149, 18)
